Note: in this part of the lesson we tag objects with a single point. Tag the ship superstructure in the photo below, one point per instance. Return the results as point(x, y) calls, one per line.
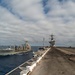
point(23, 47)
point(52, 41)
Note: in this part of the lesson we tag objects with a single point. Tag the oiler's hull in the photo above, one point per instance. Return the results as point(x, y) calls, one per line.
point(6, 53)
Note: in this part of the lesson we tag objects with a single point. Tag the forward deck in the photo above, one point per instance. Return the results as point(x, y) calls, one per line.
point(55, 61)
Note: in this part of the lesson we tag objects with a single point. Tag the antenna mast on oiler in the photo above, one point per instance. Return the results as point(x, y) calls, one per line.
point(52, 41)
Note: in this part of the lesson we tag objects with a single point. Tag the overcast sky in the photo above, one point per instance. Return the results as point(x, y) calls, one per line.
point(34, 20)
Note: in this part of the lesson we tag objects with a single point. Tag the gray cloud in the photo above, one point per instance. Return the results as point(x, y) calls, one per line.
point(29, 20)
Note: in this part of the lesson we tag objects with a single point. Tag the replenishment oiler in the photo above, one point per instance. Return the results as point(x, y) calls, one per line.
point(16, 50)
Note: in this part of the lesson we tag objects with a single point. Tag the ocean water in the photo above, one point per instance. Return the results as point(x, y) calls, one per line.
point(7, 63)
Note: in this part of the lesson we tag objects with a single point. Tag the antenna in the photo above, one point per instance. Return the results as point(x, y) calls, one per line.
point(43, 42)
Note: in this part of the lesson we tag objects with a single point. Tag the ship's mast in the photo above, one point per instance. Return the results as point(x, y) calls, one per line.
point(43, 42)
point(52, 41)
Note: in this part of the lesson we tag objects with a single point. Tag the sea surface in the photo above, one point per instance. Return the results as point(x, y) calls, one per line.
point(7, 63)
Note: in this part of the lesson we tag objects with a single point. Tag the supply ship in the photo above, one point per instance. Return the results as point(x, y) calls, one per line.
point(16, 50)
